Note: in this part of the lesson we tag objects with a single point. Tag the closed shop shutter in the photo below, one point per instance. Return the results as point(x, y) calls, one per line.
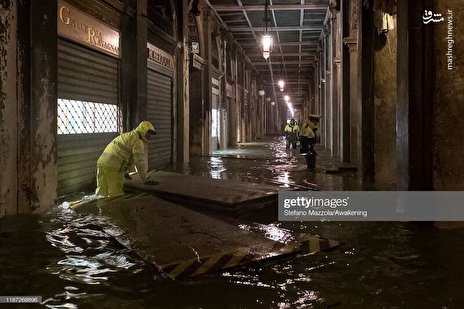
point(86, 78)
point(159, 112)
point(86, 75)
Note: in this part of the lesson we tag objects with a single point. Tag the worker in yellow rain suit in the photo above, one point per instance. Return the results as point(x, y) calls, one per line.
point(291, 134)
point(308, 139)
point(307, 136)
point(124, 151)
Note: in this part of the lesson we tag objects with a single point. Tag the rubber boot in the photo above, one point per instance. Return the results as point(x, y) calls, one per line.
point(311, 160)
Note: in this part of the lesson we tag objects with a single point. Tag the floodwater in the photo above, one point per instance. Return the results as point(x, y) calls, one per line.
point(69, 259)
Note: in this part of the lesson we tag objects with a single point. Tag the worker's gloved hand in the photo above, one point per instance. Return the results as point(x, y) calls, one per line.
point(127, 176)
point(151, 182)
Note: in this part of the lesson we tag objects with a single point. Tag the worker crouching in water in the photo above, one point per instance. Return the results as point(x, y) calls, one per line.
point(124, 151)
point(291, 134)
point(308, 140)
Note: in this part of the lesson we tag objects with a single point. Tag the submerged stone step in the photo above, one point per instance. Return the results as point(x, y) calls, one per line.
point(230, 194)
point(183, 243)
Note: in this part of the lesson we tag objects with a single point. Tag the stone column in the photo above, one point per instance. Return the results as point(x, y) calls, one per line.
point(328, 94)
point(28, 110)
point(235, 102)
point(225, 109)
point(345, 77)
point(207, 74)
point(263, 117)
point(238, 100)
point(334, 82)
point(243, 107)
point(338, 82)
point(355, 124)
point(355, 109)
point(416, 80)
point(44, 73)
point(182, 66)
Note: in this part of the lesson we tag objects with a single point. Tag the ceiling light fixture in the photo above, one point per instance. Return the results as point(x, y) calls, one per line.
point(281, 84)
point(281, 81)
point(267, 39)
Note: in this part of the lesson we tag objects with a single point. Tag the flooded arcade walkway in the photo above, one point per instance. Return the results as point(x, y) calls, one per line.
point(71, 261)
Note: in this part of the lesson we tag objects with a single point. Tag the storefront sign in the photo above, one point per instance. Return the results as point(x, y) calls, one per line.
point(82, 28)
point(160, 57)
point(197, 62)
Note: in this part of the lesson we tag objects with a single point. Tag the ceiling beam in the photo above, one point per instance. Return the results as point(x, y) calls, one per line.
point(313, 43)
point(302, 54)
point(290, 71)
point(231, 14)
point(277, 7)
point(288, 28)
point(257, 63)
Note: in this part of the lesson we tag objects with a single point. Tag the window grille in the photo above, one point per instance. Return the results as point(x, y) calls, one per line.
point(78, 117)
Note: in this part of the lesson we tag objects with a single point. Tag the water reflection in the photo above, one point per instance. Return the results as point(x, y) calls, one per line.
point(270, 231)
point(91, 257)
point(216, 168)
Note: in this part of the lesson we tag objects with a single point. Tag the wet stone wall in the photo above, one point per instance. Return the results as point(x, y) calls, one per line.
point(385, 100)
point(8, 107)
point(448, 127)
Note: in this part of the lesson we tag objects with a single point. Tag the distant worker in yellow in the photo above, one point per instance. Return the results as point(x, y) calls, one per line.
point(124, 151)
point(291, 134)
point(308, 134)
point(308, 139)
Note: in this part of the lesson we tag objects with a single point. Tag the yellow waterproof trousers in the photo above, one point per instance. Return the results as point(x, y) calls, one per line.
point(109, 182)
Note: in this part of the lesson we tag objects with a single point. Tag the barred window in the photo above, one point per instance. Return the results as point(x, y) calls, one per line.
point(77, 117)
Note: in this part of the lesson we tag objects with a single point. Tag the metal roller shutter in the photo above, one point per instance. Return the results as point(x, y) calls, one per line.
point(86, 75)
point(83, 75)
point(159, 112)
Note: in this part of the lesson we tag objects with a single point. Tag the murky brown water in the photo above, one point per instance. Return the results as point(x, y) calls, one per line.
point(70, 261)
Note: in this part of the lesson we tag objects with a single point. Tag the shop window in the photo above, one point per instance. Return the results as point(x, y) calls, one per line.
point(78, 117)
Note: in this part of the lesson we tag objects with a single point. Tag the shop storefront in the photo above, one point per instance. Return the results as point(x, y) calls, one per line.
point(160, 105)
point(88, 95)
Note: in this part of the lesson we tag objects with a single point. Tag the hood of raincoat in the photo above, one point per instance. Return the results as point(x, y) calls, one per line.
point(143, 128)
